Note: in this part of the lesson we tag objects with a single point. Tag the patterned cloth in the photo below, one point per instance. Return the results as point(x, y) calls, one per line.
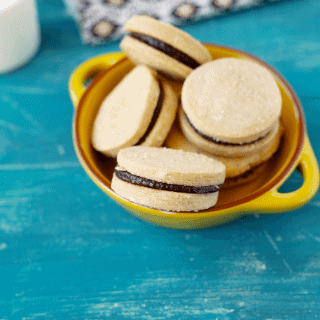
point(102, 20)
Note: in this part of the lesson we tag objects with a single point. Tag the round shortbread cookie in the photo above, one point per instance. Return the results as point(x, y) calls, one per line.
point(158, 134)
point(232, 100)
point(170, 36)
point(167, 179)
point(245, 150)
point(161, 199)
point(235, 166)
point(141, 53)
point(172, 166)
point(129, 112)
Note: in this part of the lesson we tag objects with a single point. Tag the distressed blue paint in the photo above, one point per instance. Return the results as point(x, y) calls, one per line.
point(69, 252)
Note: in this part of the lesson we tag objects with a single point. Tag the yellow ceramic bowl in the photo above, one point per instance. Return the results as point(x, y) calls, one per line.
point(259, 196)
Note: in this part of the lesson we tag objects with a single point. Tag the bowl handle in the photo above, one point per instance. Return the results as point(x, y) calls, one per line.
point(274, 201)
point(88, 70)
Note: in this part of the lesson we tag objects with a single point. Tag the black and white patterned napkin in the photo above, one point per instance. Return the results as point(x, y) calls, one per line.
point(102, 20)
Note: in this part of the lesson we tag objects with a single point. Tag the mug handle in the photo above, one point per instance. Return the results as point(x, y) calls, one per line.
point(274, 201)
point(90, 69)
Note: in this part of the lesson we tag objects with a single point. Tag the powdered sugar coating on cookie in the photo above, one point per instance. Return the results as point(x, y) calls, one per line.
point(233, 100)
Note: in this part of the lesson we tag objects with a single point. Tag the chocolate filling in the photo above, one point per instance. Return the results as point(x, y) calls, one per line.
point(167, 49)
point(148, 183)
point(154, 116)
point(223, 142)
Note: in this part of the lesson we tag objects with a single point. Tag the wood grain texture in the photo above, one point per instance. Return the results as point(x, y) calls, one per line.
point(69, 252)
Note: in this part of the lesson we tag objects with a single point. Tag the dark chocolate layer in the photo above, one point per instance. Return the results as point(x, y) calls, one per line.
point(154, 116)
point(167, 49)
point(148, 183)
point(222, 142)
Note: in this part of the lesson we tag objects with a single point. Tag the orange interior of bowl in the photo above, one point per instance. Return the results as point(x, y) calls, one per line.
point(278, 167)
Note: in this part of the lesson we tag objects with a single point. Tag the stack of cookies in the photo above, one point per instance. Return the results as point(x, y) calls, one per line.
point(228, 115)
point(230, 109)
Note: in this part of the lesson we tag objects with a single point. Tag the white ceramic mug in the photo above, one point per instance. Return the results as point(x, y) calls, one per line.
point(19, 33)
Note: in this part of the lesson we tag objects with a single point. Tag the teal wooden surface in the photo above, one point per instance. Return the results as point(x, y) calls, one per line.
point(68, 252)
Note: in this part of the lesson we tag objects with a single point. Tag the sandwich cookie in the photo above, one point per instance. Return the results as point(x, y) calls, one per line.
point(168, 179)
point(239, 170)
point(140, 110)
point(163, 47)
point(231, 107)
